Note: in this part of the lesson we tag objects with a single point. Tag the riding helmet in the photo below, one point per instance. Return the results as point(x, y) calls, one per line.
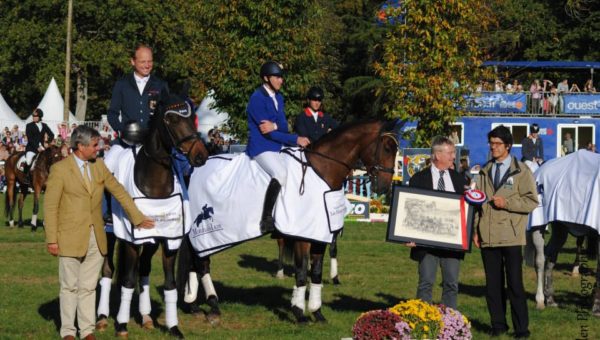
point(39, 112)
point(271, 68)
point(535, 128)
point(315, 93)
point(134, 133)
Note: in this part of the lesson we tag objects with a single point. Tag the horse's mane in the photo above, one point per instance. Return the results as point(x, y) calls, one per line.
point(385, 126)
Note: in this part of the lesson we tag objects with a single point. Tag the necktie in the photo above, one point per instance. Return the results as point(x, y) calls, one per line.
point(86, 177)
point(497, 175)
point(441, 184)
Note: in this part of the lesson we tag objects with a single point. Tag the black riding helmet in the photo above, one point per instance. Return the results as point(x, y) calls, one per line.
point(271, 68)
point(315, 93)
point(133, 132)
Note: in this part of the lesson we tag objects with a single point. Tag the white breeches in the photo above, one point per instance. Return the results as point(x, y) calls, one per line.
point(29, 157)
point(272, 163)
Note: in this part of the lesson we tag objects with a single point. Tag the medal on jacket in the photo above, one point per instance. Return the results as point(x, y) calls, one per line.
point(475, 197)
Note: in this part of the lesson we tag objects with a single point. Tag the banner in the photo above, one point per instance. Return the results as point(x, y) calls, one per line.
point(497, 102)
point(582, 103)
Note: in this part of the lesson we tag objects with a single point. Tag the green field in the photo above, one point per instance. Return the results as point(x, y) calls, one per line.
point(255, 305)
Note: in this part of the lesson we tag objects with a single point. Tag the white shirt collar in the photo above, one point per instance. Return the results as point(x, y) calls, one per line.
point(139, 79)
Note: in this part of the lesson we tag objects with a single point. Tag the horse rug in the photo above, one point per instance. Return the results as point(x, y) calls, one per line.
point(227, 196)
point(171, 215)
point(569, 188)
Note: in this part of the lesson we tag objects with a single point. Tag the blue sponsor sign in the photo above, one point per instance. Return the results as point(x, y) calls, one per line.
point(582, 103)
point(497, 102)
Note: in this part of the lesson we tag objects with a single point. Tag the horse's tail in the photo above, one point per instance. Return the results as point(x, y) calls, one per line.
point(592, 245)
point(288, 250)
point(184, 265)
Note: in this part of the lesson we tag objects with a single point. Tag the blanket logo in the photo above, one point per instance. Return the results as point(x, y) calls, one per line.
point(204, 223)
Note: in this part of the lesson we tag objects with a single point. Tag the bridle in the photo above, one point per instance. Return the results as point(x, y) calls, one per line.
point(174, 141)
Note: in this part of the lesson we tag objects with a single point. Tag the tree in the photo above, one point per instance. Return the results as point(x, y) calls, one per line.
point(431, 59)
point(235, 38)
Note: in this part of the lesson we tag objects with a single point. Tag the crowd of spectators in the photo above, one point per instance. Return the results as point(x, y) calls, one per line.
point(544, 95)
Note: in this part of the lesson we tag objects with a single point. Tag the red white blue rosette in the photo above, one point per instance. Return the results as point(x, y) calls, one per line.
point(475, 197)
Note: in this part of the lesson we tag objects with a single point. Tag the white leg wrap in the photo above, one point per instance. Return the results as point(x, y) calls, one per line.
point(11, 223)
point(280, 274)
point(333, 270)
point(191, 288)
point(207, 284)
point(299, 297)
point(171, 308)
point(103, 304)
point(144, 298)
point(314, 297)
point(33, 219)
point(126, 295)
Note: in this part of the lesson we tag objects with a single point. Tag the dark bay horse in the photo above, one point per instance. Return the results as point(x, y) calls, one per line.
point(172, 126)
point(36, 179)
point(374, 143)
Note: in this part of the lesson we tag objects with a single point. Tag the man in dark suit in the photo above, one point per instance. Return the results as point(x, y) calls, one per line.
point(532, 146)
point(37, 133)
point(439, 176)
point(312, 122)
point(134, 96)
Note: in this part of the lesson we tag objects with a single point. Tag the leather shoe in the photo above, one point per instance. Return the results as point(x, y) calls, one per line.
point(69, 337)
point(90, 336)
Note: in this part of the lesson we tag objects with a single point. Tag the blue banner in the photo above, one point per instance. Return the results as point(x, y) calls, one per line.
point(497, 102)
point(582, 103)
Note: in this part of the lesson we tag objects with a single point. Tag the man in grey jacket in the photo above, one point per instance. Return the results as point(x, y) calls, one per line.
point(500, 231)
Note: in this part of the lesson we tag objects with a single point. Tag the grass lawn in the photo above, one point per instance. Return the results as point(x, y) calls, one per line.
point(255, 305)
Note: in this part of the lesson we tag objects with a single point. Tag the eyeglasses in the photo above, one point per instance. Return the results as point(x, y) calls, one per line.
point(495, 143)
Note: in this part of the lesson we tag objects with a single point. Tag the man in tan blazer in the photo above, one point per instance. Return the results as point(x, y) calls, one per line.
point(75, 229)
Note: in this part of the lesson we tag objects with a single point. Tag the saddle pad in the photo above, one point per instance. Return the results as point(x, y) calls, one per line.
point(227, 196)
point(166, 212)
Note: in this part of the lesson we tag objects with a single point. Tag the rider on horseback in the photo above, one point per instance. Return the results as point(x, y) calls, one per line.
point(268, 133)
point(35, 131)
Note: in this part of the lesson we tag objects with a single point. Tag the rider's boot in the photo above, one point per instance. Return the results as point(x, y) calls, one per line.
point(267, 222)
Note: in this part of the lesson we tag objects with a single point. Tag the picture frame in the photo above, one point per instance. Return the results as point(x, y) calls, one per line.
point(429, 218)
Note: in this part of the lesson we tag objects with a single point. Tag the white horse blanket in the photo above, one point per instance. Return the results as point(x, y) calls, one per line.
point(227, 195)
point(569, 188)
point(171, 215)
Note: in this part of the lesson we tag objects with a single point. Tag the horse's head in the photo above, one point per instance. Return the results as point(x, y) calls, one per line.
point(175, 122)
point(379, 157)
point(51, 155)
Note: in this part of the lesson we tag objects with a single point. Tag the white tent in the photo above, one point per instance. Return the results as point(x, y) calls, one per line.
point(209, 118)
point(53, 106)
point(7, 115)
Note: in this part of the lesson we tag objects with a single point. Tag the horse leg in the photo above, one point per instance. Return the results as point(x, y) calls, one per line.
point(9, 204)
point(212, 300)
point(301, 255)
point(36, 208)
point(128, 261)
point(145, 306)
point(280, 263)
point(21, 202)
point(538, 242)
point(333, 268)
point(317, 251)
point(108, 269)
point(557, 240)
point(170, 290)
point(577, 263)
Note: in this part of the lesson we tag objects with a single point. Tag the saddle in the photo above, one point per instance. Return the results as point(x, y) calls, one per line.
point(22, 164)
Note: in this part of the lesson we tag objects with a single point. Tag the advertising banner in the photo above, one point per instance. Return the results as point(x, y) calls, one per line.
point(582, 103)
point(497, 102)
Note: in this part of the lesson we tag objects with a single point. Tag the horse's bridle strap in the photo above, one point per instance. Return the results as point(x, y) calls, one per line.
point(327, 157)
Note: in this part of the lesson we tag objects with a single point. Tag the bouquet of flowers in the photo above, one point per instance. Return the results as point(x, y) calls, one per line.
point(424, 320)
point(376, 324)
point(413, 319)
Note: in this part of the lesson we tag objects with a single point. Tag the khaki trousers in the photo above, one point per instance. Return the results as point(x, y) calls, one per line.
point(78, 277)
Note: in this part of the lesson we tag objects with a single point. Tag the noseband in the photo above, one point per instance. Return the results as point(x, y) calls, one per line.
point(178, 143)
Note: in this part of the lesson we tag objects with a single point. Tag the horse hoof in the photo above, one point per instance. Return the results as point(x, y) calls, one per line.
point(319, 316)
point(121, 331)
point(540, 306)
point(195, 309)
point(336, 280)
point(176, 333)
point(147, 322)
point(102, 323)
point(299, 314)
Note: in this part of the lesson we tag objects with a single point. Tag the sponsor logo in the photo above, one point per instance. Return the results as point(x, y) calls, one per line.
point(204, 223)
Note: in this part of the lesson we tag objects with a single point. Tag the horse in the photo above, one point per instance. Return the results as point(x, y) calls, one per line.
point(375, 143)
point(171, 126)
point(36, 179)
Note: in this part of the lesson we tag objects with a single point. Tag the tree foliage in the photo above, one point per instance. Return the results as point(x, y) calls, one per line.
point(430, 61)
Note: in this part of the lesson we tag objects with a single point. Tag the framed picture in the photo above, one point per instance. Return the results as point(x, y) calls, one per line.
point(430, 218)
